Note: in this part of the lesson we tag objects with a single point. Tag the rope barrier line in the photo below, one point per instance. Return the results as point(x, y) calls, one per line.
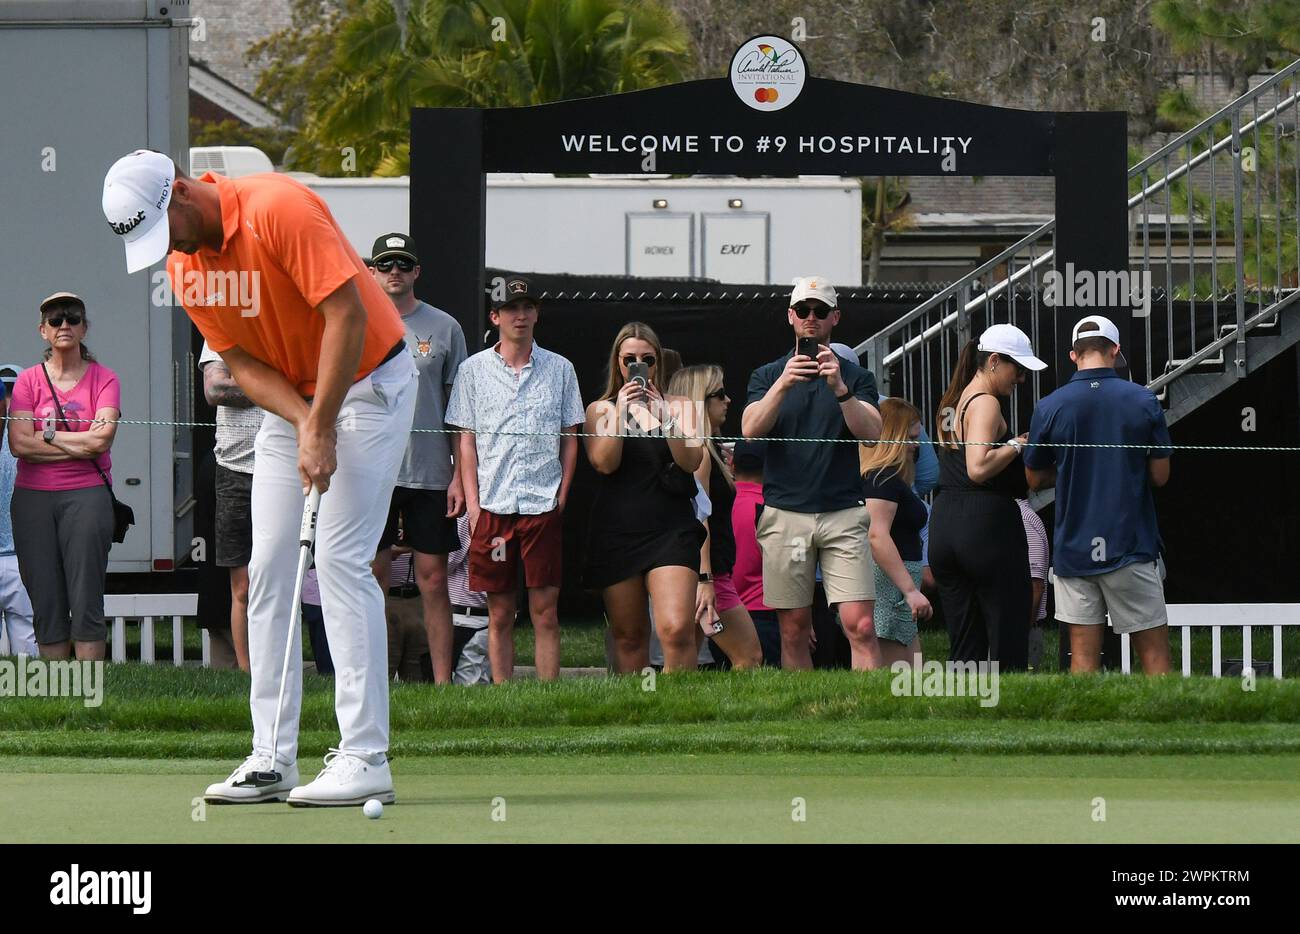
point(1247, 448)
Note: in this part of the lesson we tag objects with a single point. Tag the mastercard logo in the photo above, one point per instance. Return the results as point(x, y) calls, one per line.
point(765, 95)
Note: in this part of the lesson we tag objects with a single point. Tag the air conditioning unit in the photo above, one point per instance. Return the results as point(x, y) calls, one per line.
point(230, 161)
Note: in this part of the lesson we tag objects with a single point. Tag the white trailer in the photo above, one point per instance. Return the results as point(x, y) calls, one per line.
point(763, 230)
point(84, 83)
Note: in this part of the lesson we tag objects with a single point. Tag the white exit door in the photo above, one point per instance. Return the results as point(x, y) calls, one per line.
point(735, 246)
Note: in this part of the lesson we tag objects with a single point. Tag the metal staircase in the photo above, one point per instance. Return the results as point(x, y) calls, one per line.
point(1214, 229)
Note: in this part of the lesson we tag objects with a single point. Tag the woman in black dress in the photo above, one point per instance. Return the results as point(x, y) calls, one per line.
point(978, 550)
point(644, 541)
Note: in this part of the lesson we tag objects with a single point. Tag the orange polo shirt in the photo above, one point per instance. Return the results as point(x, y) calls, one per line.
point(282, 254)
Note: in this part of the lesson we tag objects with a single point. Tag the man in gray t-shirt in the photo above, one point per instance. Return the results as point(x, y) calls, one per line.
point(428, 496)
point(238, 420)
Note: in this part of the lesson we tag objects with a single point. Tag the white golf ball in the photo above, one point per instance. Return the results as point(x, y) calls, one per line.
point(373, 809)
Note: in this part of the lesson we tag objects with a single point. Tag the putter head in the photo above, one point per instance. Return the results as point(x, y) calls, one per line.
point(259, 779)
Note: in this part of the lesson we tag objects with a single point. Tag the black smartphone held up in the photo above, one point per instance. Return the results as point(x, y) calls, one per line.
point(639, 373)
point(807, 346)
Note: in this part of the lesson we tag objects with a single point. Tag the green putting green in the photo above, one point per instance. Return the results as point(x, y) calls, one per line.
point(744, 796)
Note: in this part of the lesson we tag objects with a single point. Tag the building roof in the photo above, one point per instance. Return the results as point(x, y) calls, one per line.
point(229, 97)
point(1008, 196)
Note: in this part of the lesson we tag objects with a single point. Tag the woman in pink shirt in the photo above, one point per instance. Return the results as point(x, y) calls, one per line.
point(64, 413)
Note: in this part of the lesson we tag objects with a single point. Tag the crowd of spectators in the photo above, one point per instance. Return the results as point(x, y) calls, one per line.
point(836, 505)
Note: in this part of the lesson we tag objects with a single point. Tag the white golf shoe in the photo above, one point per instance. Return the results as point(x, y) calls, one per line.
point(346, 781)
point(250, 783)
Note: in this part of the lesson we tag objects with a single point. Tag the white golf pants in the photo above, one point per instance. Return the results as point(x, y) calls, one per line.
point(373, 427)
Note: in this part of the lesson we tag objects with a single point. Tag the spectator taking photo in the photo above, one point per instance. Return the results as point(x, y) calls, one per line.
point(812, 491)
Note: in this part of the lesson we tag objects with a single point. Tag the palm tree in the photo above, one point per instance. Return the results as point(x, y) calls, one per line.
point(478, 53)
point(890, 212)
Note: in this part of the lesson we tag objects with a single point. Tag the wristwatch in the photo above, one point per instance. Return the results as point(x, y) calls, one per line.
point(706, 577)
point(848, 394)
point(1016, 444)
point(48, 435)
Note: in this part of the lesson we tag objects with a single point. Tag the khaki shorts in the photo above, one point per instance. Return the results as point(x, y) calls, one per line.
point(1133, 596)
point(794, 543)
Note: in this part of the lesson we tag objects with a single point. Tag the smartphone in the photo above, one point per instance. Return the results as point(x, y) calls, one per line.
point(639, 373)
point(807, 346)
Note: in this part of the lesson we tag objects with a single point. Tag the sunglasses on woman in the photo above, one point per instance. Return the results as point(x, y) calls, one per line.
point(717, 394)
point(648, 359)
point(822, 311)
point(56, 321)
point(403, 265)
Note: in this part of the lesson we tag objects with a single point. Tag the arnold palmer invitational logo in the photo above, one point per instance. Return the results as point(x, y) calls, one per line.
point(768, 72)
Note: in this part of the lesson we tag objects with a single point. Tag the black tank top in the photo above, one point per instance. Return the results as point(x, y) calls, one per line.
point(1010, 481)
point(722, 539)
point(632, 498)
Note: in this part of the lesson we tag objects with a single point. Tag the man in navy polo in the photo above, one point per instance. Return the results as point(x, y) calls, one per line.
point(1106, 542)
point(813, 508)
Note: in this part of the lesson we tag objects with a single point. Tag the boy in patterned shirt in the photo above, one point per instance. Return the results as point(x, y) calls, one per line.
point(519, 407)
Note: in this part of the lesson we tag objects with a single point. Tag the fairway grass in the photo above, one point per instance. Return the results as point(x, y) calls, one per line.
point(754, 797)
point(712, 757)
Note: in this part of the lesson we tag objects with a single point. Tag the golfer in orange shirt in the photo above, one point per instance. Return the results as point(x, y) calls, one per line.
point(264, 271)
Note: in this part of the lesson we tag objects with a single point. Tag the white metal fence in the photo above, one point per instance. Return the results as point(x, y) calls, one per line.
point(1191, 617)
point(148, 607)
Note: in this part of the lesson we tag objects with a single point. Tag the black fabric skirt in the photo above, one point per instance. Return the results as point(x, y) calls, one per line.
point(614, 556)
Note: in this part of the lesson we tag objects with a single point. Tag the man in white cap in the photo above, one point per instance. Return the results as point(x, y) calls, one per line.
point(812, 493)
point(1106, 542)
point(263, 269)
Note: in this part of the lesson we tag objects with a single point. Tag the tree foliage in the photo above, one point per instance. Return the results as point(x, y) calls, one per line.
point(1036, 54)
point(352, 78)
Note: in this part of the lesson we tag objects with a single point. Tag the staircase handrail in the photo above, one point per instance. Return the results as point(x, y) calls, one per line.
point(876, 345)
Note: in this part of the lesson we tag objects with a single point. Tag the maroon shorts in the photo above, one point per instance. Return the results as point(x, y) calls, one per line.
point(500, 542)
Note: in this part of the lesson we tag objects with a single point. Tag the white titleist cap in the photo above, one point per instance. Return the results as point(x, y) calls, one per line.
point(137, 190)
point(1104, 327)
point(1010, 341)
point(813, 287)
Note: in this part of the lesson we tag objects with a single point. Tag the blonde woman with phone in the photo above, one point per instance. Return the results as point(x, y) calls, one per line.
point(644, 541)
